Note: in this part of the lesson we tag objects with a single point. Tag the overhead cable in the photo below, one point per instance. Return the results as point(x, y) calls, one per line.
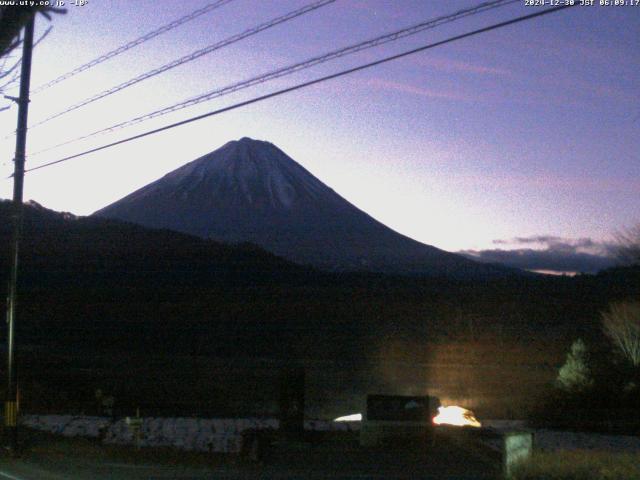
point(307, 84)
point(290, 69)
point(188, 58)
point(134, 43)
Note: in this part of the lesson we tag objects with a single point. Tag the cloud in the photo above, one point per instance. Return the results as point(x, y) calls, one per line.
point(527, 240)
point(556, 182)
point(447, 65)
point(555, 254)
point(560, 244)
point(406, 88)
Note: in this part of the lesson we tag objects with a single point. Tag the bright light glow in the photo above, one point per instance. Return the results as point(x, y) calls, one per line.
point(356, 417)
point(556, 272)
point(455, 415)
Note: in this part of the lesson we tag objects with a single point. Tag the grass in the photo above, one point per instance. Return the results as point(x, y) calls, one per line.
point(50, 445)
point(580, 465)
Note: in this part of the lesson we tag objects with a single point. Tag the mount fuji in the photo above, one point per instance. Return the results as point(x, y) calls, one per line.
point(251, 191)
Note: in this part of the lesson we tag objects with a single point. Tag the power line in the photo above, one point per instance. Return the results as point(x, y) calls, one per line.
point(4, 73)
point(288, 70)
point(307, 84)
point(134, 43)
point(7, 85)
point(192, 56)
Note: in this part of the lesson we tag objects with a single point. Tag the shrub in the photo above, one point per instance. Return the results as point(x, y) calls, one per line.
point(579, 465)
point(575, 375)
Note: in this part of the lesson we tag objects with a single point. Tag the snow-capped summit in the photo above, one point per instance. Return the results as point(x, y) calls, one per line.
point(251, 191)
point(253, 171)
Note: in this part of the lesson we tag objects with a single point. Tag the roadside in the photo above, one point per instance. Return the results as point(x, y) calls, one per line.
point(49, 457)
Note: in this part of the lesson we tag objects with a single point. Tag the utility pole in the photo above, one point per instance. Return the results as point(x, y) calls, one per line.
point(11, 402)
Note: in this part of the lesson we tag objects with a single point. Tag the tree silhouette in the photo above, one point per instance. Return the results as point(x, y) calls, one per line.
point(627, 247)
point(621, 323)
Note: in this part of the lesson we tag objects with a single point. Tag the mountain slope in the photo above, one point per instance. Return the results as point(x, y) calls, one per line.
point(90, 283)
point(60, 249)
point(251, 191)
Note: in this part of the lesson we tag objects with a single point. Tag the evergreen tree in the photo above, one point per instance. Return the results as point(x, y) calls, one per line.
point(575, 374)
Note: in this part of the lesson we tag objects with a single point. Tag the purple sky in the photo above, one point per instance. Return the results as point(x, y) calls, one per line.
point(528, 131)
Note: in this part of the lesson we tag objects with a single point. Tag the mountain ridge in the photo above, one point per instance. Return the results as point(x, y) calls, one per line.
point(251, 191)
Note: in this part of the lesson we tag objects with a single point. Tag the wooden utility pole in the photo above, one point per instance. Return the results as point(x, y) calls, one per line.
point(11, 402)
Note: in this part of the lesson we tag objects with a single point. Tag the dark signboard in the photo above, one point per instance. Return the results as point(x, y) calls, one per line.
point(400, 408)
